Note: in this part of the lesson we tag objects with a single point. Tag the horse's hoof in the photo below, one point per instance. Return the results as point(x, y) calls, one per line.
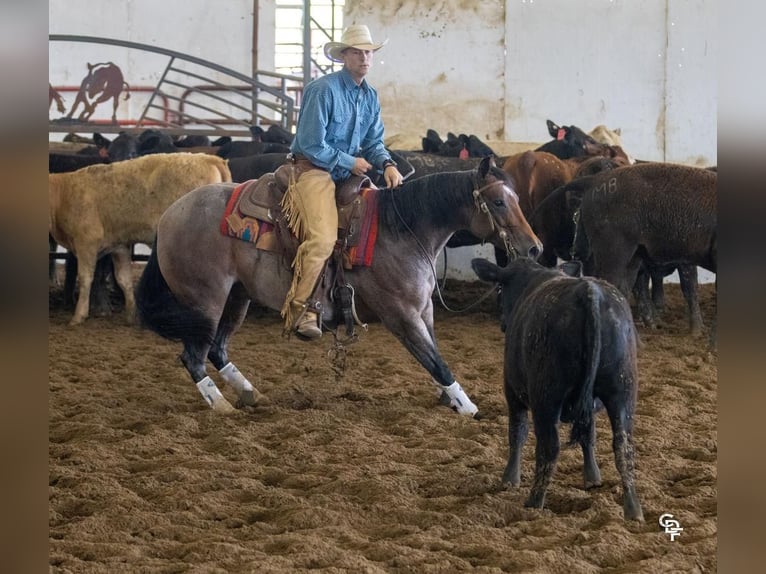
point(477, 416)
point(251, 399)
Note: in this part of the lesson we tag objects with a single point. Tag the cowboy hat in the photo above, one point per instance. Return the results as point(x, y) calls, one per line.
point(356, 36)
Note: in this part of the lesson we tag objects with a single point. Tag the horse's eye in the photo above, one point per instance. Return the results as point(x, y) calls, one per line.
point(498, 202)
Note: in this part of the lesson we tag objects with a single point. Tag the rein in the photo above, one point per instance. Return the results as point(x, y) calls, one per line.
point(481, 204)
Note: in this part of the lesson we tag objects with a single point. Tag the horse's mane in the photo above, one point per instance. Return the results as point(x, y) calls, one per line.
point(433, 198)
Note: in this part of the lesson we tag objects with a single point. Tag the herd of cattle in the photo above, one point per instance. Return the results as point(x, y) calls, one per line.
point(625, 222)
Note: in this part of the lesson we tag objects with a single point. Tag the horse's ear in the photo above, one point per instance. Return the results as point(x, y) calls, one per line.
point(487, 163)
point(618, 131)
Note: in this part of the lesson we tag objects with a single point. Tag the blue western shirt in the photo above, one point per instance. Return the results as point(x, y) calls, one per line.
point(339, 121)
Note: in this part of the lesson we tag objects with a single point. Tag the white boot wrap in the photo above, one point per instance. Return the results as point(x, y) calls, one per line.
point(234, 377)
point(459, 400)
point(211, 393)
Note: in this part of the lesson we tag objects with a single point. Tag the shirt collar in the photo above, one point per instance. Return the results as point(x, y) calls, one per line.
point(348, 81)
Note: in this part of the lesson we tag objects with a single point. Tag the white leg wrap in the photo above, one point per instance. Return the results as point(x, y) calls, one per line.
point(212, 395)
point(234, 377)
point(459, 400)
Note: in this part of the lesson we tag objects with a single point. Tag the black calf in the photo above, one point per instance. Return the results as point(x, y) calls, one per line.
point(568, 342)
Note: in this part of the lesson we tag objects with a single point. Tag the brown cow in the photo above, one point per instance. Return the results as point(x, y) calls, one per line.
point(109, 207)
point(536, 175)
point(660, 213)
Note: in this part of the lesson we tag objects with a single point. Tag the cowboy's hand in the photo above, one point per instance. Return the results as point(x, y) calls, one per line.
point(392, 176)
point(361, 166)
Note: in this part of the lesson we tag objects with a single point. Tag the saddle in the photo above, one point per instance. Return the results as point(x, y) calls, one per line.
point(254, 213)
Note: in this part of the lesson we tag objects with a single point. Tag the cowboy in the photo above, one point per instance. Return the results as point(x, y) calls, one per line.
point(339, 133)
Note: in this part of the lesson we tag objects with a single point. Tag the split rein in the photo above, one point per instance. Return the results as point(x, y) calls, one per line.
point(482, 207)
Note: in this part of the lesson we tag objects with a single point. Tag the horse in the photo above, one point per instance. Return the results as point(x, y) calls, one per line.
point(198, 283)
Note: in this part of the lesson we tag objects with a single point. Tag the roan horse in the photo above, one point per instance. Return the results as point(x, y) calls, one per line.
point(198, 283)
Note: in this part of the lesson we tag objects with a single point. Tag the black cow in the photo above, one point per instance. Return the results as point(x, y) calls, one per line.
point(568, 341)
point(570, 141)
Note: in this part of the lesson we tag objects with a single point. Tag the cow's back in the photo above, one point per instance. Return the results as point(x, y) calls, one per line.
point(669, 210)
point(123, 201)
point(553, 329)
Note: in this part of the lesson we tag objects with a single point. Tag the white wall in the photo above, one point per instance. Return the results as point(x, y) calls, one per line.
point(494, 68)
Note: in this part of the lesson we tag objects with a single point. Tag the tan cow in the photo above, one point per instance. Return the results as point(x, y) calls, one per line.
point(107, 208)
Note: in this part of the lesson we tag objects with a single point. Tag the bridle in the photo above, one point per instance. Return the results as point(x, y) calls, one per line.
point(481, 205)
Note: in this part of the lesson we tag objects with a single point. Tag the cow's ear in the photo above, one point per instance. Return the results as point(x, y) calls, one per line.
point(553, 129)
point(485, 270)
point(100, 141)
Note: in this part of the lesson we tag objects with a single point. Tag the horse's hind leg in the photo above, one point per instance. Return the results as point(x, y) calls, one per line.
point(233, 314)
point(196, 348)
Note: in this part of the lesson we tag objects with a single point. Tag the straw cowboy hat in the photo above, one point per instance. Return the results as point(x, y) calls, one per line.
point(356, 36)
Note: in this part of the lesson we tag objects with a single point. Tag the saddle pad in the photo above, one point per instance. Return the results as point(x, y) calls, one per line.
point(361, 253)
point(234, 223)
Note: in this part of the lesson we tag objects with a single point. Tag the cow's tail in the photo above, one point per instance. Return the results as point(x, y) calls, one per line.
point(223, 169)
point(127, 90)
point(159, 310)
point(582, 410)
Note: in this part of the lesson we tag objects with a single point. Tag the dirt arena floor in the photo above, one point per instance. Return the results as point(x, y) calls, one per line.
point(364, 472)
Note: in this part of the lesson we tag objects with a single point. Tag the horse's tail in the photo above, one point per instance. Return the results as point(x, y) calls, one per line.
point(159, 310)
point(582, 409)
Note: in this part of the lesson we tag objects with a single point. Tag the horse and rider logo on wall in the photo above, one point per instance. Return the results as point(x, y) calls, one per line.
point(103, 82)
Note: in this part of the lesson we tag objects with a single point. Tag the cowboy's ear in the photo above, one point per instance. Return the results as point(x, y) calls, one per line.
point(553, 129)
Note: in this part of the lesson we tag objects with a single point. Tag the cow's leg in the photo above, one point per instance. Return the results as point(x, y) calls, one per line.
point(546, 454)
point(518, 429)
point(641, 295)
point(591, 473)
point(52, 275)
point(101, 304)
point(233, 314)
point(624, 455)
point(86, 263)
point(687, 276)
point(123, 274)
point(658, 289)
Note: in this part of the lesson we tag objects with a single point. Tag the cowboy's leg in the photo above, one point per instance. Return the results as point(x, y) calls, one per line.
point(312, 201)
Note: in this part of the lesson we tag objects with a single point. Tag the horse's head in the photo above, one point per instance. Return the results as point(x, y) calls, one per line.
point(499, 218)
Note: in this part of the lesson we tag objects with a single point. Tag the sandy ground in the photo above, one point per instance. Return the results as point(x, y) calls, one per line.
point(363, 472)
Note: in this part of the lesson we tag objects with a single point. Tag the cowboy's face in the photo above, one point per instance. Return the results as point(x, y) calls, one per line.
point(357, 62)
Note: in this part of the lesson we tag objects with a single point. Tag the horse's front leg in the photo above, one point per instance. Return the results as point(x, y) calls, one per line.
point(415, 331)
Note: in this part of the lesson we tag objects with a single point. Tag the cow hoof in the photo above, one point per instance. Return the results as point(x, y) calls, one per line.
point(477, 416)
